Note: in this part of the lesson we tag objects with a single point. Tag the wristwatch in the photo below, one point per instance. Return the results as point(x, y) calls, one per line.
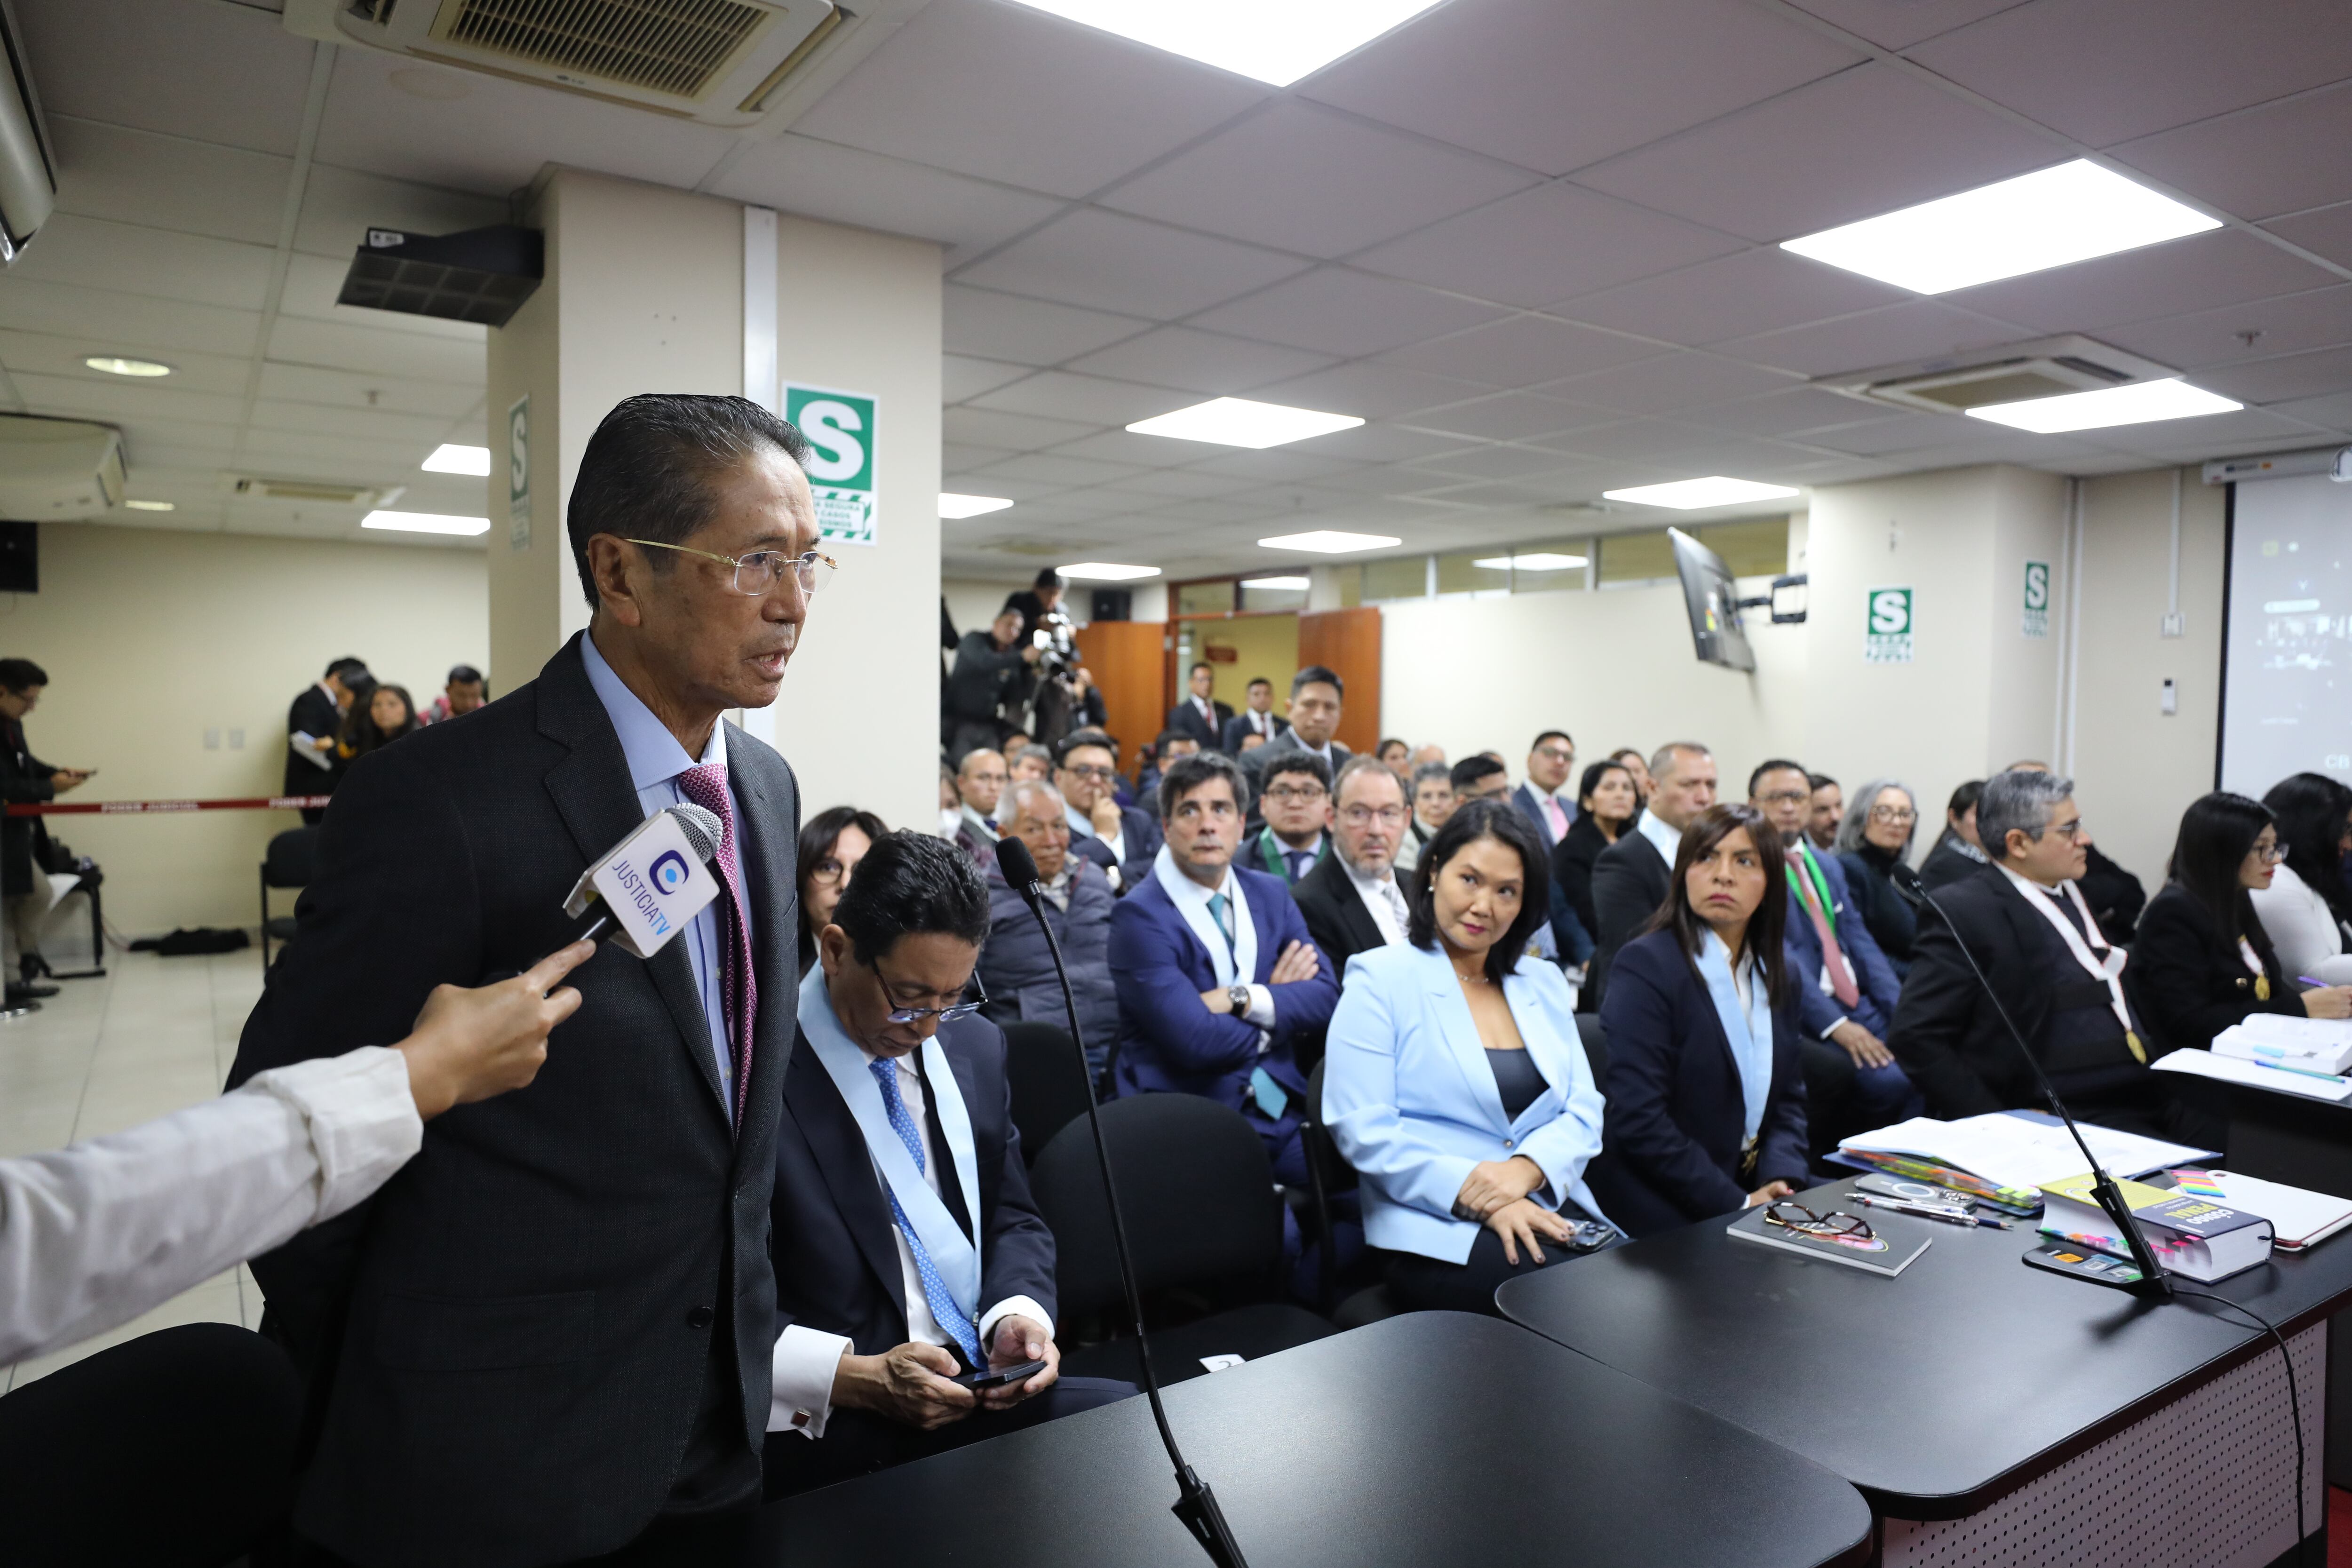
point(1239, 996)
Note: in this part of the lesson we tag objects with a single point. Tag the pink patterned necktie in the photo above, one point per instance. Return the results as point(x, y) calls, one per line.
point(705, 786)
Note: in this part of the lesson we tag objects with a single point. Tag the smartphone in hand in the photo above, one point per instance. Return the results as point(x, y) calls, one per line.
point(987, 1378)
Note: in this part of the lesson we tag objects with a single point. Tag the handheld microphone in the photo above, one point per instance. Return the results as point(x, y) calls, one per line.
point(2152, 1282)
point(648, 886)
point(1196, 1505)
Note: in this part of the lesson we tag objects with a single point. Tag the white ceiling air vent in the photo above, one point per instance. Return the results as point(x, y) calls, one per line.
point(721, 62)
point(58, 470)
point(2014, 373)
point(309, 492)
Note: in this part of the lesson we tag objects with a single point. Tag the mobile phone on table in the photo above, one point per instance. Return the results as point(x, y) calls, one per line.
point(986, 1378)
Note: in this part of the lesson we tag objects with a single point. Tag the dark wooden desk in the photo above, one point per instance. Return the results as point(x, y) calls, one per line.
point(1427, 1440)
point(1937, 1393)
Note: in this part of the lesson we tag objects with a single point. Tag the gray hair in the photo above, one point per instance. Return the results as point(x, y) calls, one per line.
point(1857, 816)
point(2017, 801)
point(1025, 753)
point(1037, 787)
point(1354, 767)
point(1428, 771)
point(1661, 760)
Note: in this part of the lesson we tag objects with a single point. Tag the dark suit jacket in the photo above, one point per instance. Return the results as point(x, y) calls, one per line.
point(24, 778)
point(1630, 881)
point(837, 1260)
point(1253, 762)
point(1185, 720)
point(313, 713)
point(1873, 977)
point(1141, 840)
point(1335, 914)
point(1677, 1115)
point(1948, 862)
point(2189, 985)
point(507, 1345)
point(1572, 861)
point(1239, 725)
point(1530, 805)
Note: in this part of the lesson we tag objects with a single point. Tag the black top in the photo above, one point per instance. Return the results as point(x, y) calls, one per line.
point(984, 677)
point(1894, 925)
point(23, 779)
point(1936, 1392)
point(1571, 866)
point(1310, 1466)
point(2189, 983)
point(1950, 860)
point(1630, 881)
point(1517, 1078)
point(2113, 894)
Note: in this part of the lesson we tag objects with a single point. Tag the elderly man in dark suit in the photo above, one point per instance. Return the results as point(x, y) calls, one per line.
point(1632, 876)
point(549, 1336)
point(906, 1249)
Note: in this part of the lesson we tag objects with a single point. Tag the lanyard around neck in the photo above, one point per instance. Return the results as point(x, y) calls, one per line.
point(1821, 887)
point(2109, 969)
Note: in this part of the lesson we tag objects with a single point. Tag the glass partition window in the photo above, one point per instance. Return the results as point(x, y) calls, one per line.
point(1636, 557)
point(1406, 577)
point(1551, 567)
point(1756, 547)
point(1475, 572)
point(1214, 598)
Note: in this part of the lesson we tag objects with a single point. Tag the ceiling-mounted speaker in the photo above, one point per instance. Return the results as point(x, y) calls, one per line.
point(482, 275)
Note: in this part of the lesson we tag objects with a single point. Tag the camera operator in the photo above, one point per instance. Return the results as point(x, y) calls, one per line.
point(1064, 697)
point(988, 677)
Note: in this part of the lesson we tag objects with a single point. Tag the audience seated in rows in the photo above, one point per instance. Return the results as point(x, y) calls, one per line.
point(1017, 969)
point(906, 1247)
point(2115, 895)
point(1824, 811)
point(1121, 839)
point(1316, 694)
point(2307, 908)
point(1480, 777)
point(1455, 1083)
point(1431, 795)
point(981, 779)
point(1606, 804)
point(1351, 900)
point(1551, 762)
point(1257, 718)
point(1845, 990)
point(831, 843)
point(1425, 755)
point(1396, 756)
point(1706, 1085)
point(1200, 715)
point(2201, 960)
point(1030, 762)
point(1636, 764)
point(1632, 877)
point(1216, 973)
point(1295, 799)
point(1957, 851)
point(1874, 838)
point(1172, 747)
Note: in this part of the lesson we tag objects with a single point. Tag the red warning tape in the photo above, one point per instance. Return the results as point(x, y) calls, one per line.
point(143, 808)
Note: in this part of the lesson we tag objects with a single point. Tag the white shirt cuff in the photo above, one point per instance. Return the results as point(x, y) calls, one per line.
point(362, 1116)
point(1012, 1307)
point(1841, 1022)
point(800, 1380)
point(1261, 1007)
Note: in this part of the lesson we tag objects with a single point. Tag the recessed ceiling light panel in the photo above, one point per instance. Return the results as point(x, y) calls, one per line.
point(2071, 213)
point(2136, 405)
point(1106, 571)
point(1690, 495)
point(954, 506)
point(451, 459)
point(116, 365)
point(425, 522)
point(1272, 41)
point(1238, 422)
point(150, 506)
point(1279, 585)
point(1329, 542)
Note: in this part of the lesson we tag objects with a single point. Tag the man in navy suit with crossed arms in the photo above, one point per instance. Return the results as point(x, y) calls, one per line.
point(1216, 973)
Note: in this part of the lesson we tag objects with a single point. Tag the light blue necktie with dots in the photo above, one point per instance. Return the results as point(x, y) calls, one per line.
point(935, 1290)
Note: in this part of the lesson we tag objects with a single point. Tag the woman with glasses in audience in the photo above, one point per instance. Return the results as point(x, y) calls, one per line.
point(831, 843)
point(1455, 1082)
point(2307, 910)
point(1874, 838)
point(1706, 1095)
point(1607, 802)
point(2201, 960)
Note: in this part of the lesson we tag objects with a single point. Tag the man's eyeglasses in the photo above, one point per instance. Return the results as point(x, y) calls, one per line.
point(1785, 796)
point(1361, 816)
point(1300, 795)
point(1555, 754)
point(1097, 774)
point(944, 1015)
point(758, 574)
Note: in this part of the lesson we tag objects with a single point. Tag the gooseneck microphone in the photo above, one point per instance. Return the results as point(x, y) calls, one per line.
point(2151, 1281)
point(1196, 1505)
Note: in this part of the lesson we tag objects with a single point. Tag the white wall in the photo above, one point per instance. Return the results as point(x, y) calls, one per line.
point(972, 604)
point(151, 637)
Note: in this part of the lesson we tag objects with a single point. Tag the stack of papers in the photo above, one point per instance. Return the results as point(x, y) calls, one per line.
point(2258, 1074)
point(2021, 1152)
point(2308, 1045)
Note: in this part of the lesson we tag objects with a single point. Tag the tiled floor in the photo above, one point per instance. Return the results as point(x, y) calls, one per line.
point(153, 1035)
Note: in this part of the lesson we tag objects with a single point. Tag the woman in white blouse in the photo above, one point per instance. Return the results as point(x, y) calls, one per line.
point(2307, 910)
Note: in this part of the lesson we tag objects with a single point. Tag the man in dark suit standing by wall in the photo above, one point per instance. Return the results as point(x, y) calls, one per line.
point(907, 1248)
point(1631, 876)
point(1257, 718)
point(1550, 761)
point(549, 1337)
point(1200, 715)
point(311, 723)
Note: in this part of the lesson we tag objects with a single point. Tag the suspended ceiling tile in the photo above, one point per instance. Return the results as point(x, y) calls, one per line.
point(417, 434)
point(2279, 158)
point(2319, 373)
point(1499, 461)
point(2333, 414)
point(1522, 352)
point(810, 178)
point(1059, 395)
point(1339, 311)
point(1199, 361)
point(356, 390)
point(94, 254)
point(1888, 335)
point(2287, 325)
point(1897, 24)
point(2326, 232)
point(2218, 267)
point(1370, 391)
point(157, 328)
point(116, 400)
point(1630, 438)
point(334, 345)
point(1125, 447)
point(1736, 296)
point(1184, 484)
point(1667, 383)
point(963, 376)
point(169, 182)
point(218, 73)
point(1910, 432)
point(1276, 465)
point(1508, 417)
point(1111, 262)
point(1798, 408)
point(44, 353)
point(1026, 331)
point(1014, 95)
point(1044, 469)
point(1376, 442)
point(1550, 243)
point(1865, 141)
point(339, 205)
point(1557, 87)
point(325, 454)
point(1019, 432)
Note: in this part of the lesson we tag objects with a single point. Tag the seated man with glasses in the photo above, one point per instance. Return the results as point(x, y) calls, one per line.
point(1121, 839)
point(906, 1249)
point(1352, 900)
point(1016, 966)
point(1295, 798)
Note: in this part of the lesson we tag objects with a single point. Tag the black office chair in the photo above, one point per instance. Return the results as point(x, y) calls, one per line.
point(287, 865)
point(1047, 1082)
point(1328, 1171)
point(1203, 1223)
point(1595, 1040)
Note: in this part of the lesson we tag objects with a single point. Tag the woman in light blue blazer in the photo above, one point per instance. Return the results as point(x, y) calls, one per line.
point(1453, 1079)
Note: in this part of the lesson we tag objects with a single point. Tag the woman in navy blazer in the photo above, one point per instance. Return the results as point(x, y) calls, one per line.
point(1707, 1098)
point(1455, 1081)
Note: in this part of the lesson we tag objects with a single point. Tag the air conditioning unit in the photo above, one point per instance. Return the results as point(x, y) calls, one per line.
point(717, 62)
point(2014, 373)
point(29, 174)
point(59, 470)
point(308, 492)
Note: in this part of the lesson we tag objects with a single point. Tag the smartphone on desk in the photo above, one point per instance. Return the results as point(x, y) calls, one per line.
point(980, 1381)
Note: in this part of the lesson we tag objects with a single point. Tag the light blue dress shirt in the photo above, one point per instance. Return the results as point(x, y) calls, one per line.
point(656, 758)
point(1746, 1024)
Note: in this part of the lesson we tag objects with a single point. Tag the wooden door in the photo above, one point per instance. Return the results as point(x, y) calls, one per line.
point(1348, 643)
point(1126, 660)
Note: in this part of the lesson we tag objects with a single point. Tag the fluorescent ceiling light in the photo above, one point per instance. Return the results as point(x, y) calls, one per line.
point(1238, 422)
point(2134, 404)
point(1272, 41)
point(1279, 585)
point(451, 459)
point(2071, 213)
point(1689, 495)
point(1106, 572)
point(114, 364)
point(150, 506)
point(425, 523)
point(1329, 542)
point(970, 506)
point(1539, 561)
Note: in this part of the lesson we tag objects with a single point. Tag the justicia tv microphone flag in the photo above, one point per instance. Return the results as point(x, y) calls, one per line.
point(652, 884)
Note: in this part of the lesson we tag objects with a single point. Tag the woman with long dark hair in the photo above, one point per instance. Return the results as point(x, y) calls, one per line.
point(1607, 802)
point(1455, 1081)
point(1706, 1093)
point(2201, 960)
point(831, 843)
point(2307, 910)
point(379, 716)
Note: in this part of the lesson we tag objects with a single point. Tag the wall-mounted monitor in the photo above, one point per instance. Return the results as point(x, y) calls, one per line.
point(1713, 601)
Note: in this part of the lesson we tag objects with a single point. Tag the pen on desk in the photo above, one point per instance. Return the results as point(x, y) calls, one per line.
point(1925, 1211)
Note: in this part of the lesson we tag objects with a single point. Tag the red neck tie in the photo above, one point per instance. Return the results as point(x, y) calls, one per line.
point(1832, 956)
point(705, 785)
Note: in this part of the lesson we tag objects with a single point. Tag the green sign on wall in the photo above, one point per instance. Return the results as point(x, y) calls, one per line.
point(1887, 627)
point(840, 426)
point(2037, 599)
